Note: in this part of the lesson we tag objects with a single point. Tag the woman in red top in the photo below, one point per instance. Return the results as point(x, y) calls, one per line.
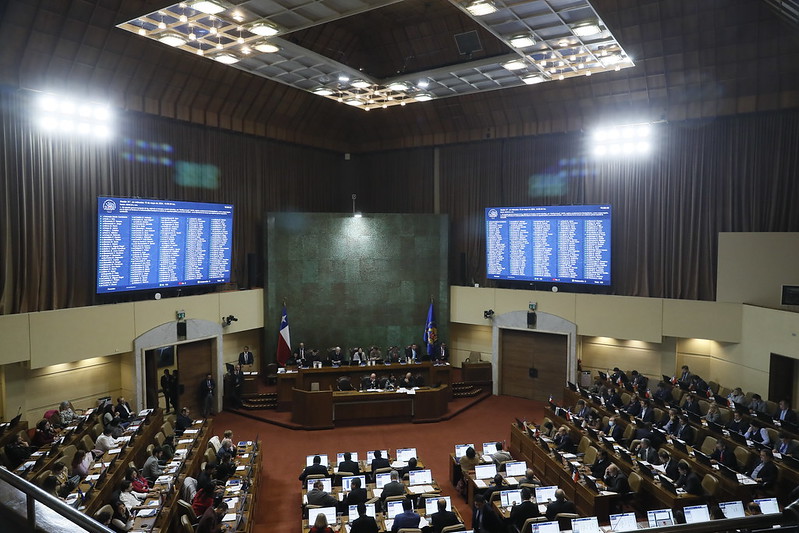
point(139, 483)
point(320, 525)
point(203, 499)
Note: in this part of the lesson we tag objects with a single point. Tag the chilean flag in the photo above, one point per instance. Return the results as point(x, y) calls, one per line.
point(284, 339)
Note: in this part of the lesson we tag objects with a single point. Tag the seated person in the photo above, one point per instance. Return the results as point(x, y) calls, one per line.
point(348, 465)
point(45, 434)
point(646, 452)
point(563, 441)
point(688, 480)
point(371, 382)
point(315, 468)
point(758, 433)
point(407, 519)
point(412, 465)
point(122, 519)
point(738, 424)
point(765, 472)
point(737, 396)
point(123, 411)
point(391, 382)
point(496, 485)
point(698, 385)
point(500, 456)
point(721, 455)
point(663, 393)
point(318, 496)
point(614, 398)
point(615, 480)
point(65, 415)
point(639, 381)
point(684, 430)
point(470, 460)
point(358, 357)
point(527, 508)
point(691, 404)
point(413, 353)
point(757, 405)
point(128, 496)
point(225, 470)
point(784, 413)
point(211, 520)
point(226, 447)
point(407, 382)
point(560, 505)
point(152, 467)
point(670, 421)
point(183, 421)
point(106, 442)
point(786, 445)
point(50, 486)
point(713, 414)
point(364, 523)
point(356, 495)
point(443, 518)
point(613, 429)
point(669, 464)
point(529, 478)
point(81, 463)
point(336, 357)
point(601, 464)
point(379, 461)
point(646, 413)
point(618, 376)
point(203, 498)
point(393, 487)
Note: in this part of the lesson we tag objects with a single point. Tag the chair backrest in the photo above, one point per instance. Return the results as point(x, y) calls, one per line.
point(527, 527)
point(185, 509)
point(713, 386)
point(744, 457)
point(410, 530)
point(454, 527)
point(725, 415)
point(210, 456)
point(150, 448)
point(771, 407)
point(625, 397)
point(773, 435)
point(711, 484)
point(634, 479)
point(708, 445)
point(271, 369)
point(590, 455)
point(565, 520)
point(475, 356)
point(189, 488)
point(39, 480)
point(186, 525)
point(214, 443)
point(629, 432)
point(704, 406)
point(315, 476)
point(86, 443)
point(384, 470)
point(585, 443)
point(167, 429)
point(172, 418)
point(160, 438)
point(397, 498)
point(96, 431)
point(724, 391)
point(105, 508)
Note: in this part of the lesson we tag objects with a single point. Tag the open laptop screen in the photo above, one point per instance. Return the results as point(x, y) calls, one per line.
point(393, 508)
point(509, 498)
point(660, 517)
point(404, 454)
point(732, 509)
point(353, 511)
point(340, 457)
point(695, 514)
point(490, 448)
point(516, 468)
point(382, 479)
point(326, 481)
point(309, 459)
point(370, 455)
point(768, 505)
point(545, 494)
point(431, 505)
point(623, 522)
point(460, 449)
point(329, 512)
point(545, 527)
point(589, 524)
point(485, 471)
point(420, 477)
point(346, 482)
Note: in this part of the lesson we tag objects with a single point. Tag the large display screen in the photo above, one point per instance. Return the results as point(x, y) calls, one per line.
point(559, 244)
point(151, 244)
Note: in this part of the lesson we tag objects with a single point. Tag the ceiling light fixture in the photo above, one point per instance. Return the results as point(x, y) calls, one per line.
point(210, 7)
point(423, 84)
point(515, 64)
point(360, 84)
point(323, 91)
point(266, 48)
point(226, 59)
point(423, 97)
point(398, 86)
point(353, 102)
point(172, 39)
point(481, 8)
point(532, 79)
point(343, 78)
point(521, 41)
point(586, 30)
point(264, 29)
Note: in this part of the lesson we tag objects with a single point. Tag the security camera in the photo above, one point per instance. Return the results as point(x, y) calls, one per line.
point(227, 320)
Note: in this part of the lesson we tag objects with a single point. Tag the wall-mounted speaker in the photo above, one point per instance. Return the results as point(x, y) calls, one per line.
point(181, 330)
point(532, 319)
point(790, 295)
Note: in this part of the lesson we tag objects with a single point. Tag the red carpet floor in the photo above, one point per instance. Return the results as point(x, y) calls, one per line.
point(278, 507)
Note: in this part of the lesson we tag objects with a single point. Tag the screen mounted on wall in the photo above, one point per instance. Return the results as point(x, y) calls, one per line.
point(557, 244)
point(151, 244)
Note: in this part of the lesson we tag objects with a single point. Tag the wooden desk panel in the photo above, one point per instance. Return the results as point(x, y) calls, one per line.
point(476, 372)
point(348, 406)
point(314, 410)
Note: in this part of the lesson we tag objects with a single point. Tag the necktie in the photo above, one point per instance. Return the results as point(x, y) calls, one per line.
point(784, 447)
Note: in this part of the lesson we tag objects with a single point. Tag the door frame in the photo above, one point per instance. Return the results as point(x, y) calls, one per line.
point(545, 323)
point(167, 334)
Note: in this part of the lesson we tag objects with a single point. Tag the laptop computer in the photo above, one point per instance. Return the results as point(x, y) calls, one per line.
point(382, 479)
point(728, 472)
point(420, 477)
point(329, 512)
point(545, 494)
point(571, 386)
point(660, 517)
point(768, 505)
point(340, 457)
point(667, 485)
point(309, 459)
point(543, 527)
point(519, 423)
point(732, 509)
point(646, 470)
point(624, 454)
point(490, 447)
point(487, 471)
point(715, 428)
point(404, 454)
point(431, 504)
point(588, 524)
point(346, 482)
point(509, 498)
point(592, 433)
point(623, 522)
point(679, 444)
point(737, 437)
point(701, 458)
point(353, 511)
point(370, 455)
point(326, 482)
point(590, 483)
point(696, 514)
point(393, 509)
point(516, 468)
point(693, 417)
point(460, 449)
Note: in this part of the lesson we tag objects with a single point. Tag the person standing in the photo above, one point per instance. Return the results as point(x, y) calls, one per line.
point(166, 388)
point(246, 358)
point(207, 389)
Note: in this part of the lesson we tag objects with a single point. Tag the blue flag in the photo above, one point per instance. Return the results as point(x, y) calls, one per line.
point(431, 330)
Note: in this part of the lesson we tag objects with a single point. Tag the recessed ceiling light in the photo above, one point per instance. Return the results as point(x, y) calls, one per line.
point(172, 39)
point(423, 84)
point(226, 59)
point(360, 84)
point(515, 64)
point(323, 91)
point(353, 102)
point(532, 79)
point(208, 6)
point(521, 41)
point(584, 30)
point(481, 8)
point(398, 86)
point(266, 48)
point(423, 97)
point(343, 78)
point(263, 29)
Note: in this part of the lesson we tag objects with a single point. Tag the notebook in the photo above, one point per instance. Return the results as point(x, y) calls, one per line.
point(588, 524)
point(516, 468)
point(695, 514)
point(329, 512)
point(420, 477)
point(732, 509)
point(768, 505)
point(404, 454)
point(660, 517)
point(485, 471)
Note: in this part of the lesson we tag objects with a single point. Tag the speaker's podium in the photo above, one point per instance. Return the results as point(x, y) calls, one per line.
point(474, 370)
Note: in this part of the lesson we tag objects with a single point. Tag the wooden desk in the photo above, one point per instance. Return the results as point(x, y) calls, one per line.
point(327, 377)
point(476, 372)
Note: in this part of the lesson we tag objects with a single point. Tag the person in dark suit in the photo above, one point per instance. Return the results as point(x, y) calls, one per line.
point(669, 464)
point(413, 464)
point(685, 431)
point(301, 354)
point(698, 385)
point(207, 389)
point(364, 523)
point(371, 383)
point(393, 487)
point(318, 496)
point(348, 465)
point(443, 518)
point(785, 445)
point(379, 461)
point(639, 381)
point(614, 399)
point(784, 412)
point(441, 353)
point(663, 393)
point(407, 381)
point(738, 424)
point(582, 410)
point(496, 485)
point(123, 410)
point(647, 413)
point(615, 480)
point(316, 467)
point(183, 421)
point(336, 356)
point(685, 374)
point(413, 353)
point(634, 407)
point(721, 455)
point(688, 480)
point(765, 472)
point(691, 404)
point(613, 429)
point(563, 441)
point(526, 509)
point(618, 376)
point(484, 520)
point(601, 464)
point(646, 452)
point(356, 496)
point(408, 518)
point(246, 357)
point(166, 388)
point(560, 505)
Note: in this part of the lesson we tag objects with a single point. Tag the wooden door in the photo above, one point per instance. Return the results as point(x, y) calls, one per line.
point(781, 378)
point(151, 384)
point(533, 364)
point(194, 362)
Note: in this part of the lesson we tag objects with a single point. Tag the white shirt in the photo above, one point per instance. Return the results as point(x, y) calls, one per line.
point(106, 442)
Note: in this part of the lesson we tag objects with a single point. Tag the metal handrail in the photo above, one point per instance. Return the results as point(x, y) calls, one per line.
point(35, 494)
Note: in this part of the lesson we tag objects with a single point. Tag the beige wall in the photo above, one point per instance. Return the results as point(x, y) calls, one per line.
point(85, 353)
point(754, 266)
point(466, 338)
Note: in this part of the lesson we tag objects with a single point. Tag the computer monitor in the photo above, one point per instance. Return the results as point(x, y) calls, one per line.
point(404, 454)
point(588, 524)
point(393, 509)
point(545, 494)
point(353, 511)
point(309, 459)
point(420, 477)
point(460, 449)
point(732, 509)
point(326, 481)
point(485, 471)
point(370, 455)
point(768, 505)
point(546, 527)
point(329, 512)
point(509, 498)
point(382, 479)
point(660, 517)
point(695, 514)
point(490, 448)
point(340, 457)
point(346, 482)
point(516, 468)
point(431, 504)
point(623, 522)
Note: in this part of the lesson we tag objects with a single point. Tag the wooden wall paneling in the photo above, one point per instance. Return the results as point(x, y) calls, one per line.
point(194, 362)
point(522, 350)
